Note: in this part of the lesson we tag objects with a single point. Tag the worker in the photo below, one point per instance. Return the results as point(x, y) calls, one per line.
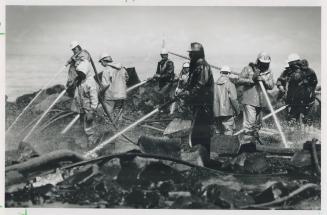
point(199, 95)
point(165, 76)
point(253, 99)
point(181, 86)
point(301, 84)
point(165, 70)
point(86, 92)
point(114, 79)
point(79, 55)
point(225, 104)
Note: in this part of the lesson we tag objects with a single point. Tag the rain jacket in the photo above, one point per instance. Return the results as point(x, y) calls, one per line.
point(182, 81)
point(301, 86)
point(225, 97)
point(74, 63)
point(252, 93)
point(165, 69)
point(86, 93)
point(116, 77)
point(200, 83)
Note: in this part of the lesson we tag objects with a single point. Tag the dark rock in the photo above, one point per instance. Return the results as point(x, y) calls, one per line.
point(15, 181)
point(128, 173)
point(163, 146)
point(80, 176)
point(197, 155)
point(132, 77)
point(26, 151)
point(307, 146)
point(111, 169)
point(165, 187)
point(153, 199)
point(110, 191)
point(275, 191)
point(22, 101)
point(248, 147)
point(250, 162)
point(227, 198)
point(45, 103)
point(55, 89)
point(136, 198)
point(157, 171)
point(301, 159)
point(192, 202)
point(139, 198)
point(256, 163)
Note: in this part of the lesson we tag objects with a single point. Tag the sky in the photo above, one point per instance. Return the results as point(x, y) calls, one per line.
point(38, 37)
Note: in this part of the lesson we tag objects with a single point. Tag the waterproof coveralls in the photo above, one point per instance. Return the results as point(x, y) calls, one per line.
point(86, 100)
point(301, 91)
point(200, 98)
point(115, 76)
point(75, 60)
point(300, 83)
point(225, 105)
point(166, 75)
point(253, 99)
point(181, 86)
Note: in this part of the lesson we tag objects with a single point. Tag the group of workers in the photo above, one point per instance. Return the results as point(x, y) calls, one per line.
point(209, 101)
point(85, 86)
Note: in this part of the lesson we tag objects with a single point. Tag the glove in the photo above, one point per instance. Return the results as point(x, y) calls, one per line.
point(89, 116)
point(184, 94)
point(281, 89)
point(257, 78)
point(69, 62)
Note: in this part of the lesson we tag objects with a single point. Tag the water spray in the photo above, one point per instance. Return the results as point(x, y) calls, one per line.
point(43, 115)
point(35, 97)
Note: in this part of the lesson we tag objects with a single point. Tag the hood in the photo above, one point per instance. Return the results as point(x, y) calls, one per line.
point(115, 65)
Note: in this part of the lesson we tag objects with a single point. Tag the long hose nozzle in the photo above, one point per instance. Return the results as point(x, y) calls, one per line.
point(92, 153)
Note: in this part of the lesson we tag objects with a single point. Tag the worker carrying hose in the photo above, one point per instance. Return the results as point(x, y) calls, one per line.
point(253, 99)
point(198, 94)
point(225, 104)
point(79, 55)
point(299, 85)
point(86, 91)
point(165, 76)
point(182, 108)
point(114, 79)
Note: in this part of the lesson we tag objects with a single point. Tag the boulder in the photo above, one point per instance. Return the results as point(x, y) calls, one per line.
point(163, 146)
point(250, 162)
point(273, 192)
point(302, 159)
point(227, 198)
point(197, 155)
point(157, 171)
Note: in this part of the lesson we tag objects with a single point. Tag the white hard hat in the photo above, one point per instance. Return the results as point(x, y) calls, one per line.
point(73, 44)
point(105, 55)
point(225, 69)
point(293, 57)
point(164, 51)
point(264, 57)
point(186, 64)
